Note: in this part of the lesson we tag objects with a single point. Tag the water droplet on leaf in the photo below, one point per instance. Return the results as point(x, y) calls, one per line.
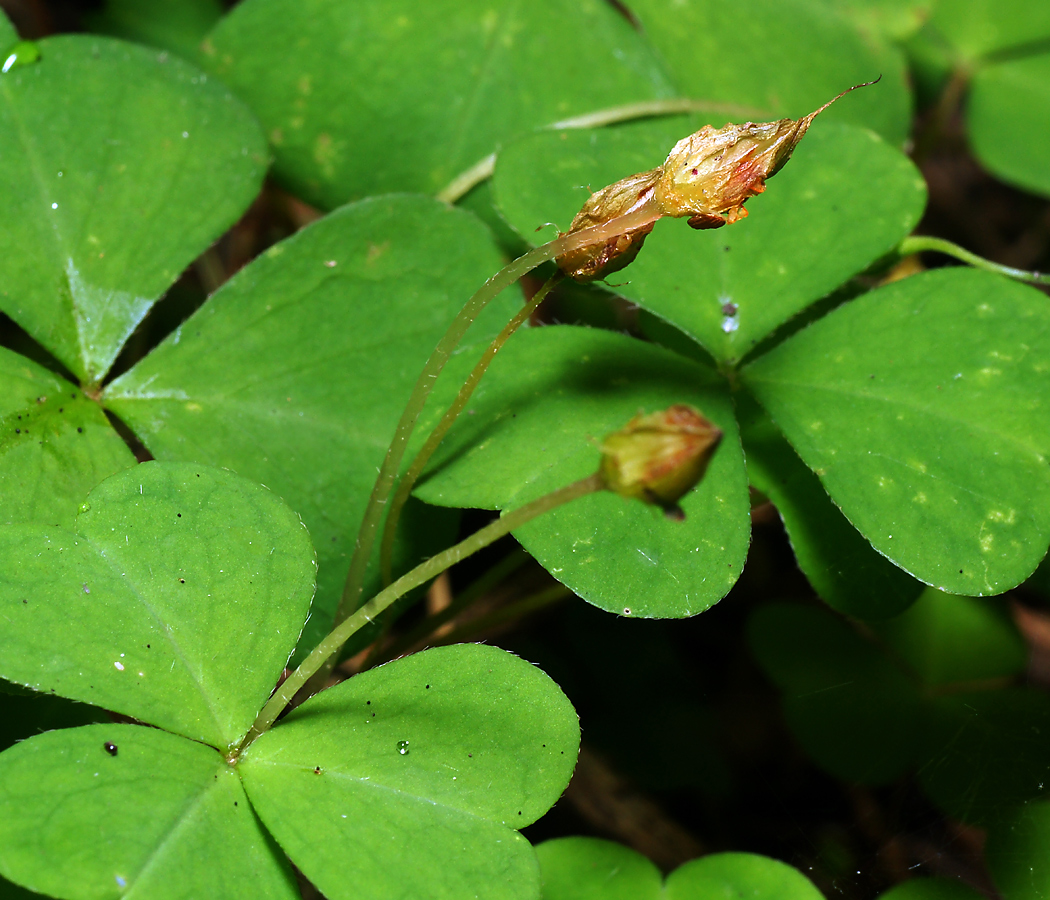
point(402, 747)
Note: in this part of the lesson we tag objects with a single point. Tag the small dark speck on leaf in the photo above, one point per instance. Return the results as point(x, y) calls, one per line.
point(428, 687)
point(178, 515)
point(18, 431)
point(182, 581)
point(147, 646)
point(25, 601)
point(470, 755)
point(519, 812)
point(110, 748)
point(60, 409)
point(871, 376)
point(960, 571)
point(317, 770)
point(80, 431)
point(234, 802)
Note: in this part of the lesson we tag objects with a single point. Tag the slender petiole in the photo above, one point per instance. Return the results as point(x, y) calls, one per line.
point(408, 480)
point(566, 243)
point(920, 244)
point(329, 647)
point(478, 588)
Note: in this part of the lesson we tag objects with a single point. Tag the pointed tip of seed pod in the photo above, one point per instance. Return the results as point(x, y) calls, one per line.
point(658, 458)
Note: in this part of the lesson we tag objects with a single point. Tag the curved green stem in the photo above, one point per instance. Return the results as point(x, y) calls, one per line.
point(470, 178)
point(475, 590)
point(919, 244)
point(408, 480)
point(566, 243)
point(421, 573)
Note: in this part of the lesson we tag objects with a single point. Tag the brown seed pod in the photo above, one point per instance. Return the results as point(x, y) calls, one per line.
point(707, 176)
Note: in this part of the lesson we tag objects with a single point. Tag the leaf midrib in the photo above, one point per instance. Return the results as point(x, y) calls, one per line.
point(133, 587)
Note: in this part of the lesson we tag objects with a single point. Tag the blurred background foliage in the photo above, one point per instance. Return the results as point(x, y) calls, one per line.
point(863, 753)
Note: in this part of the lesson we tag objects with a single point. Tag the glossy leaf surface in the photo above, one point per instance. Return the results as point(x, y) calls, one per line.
point(1009, 120)
point(843, 200)
point(112, 208)
point(800, 54)
point(584, 868)
point(295, 373)
point(933, 449)
point(176, 600)
point(55, 444)
point(739, 875)
point(529, 429)
point(852, 710)
point(411, 779)
point(842, 566)
point(122, 811)
point(400, 127)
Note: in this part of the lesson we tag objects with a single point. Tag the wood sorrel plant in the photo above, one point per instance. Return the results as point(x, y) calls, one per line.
point(898, 426)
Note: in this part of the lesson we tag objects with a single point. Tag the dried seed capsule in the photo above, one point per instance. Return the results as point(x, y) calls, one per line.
point(659, 457)
point(598, 260)
point(707, 176)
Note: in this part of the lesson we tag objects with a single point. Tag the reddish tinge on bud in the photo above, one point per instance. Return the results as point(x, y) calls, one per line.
point(707, 176)
point(660, 457)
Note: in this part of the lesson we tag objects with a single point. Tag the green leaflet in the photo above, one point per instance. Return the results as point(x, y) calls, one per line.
point(120, 811)
point(110, 209)
point(55, 444)
point(583, 868)
point(793, 55)
point(844, 569)
point(578, 868)
point(1003, 50)
point(1008, 113)
point(411, 778)
point(402, 128)
point(921, 406)
point(177, 599)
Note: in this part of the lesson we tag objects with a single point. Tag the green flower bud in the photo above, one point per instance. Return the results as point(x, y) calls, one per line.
point(660, 457)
